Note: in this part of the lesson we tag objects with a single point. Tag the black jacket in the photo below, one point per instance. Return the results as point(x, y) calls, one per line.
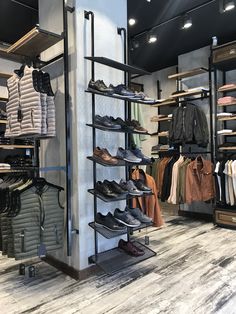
point(189, 125)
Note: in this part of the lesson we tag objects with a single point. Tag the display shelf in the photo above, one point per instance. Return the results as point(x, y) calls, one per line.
point(160, 134)
point(229, 148)
point(115, 260)
point(3, 99)
point(103, 128)
point(121, 163)
point(34, 42)
point(5, 75)
point(13, 146)
point(161, 119)
point(117, 65)
point(3, 121)
point(116, 199)
point(227, 89)
point(169, 102)
point(229, 104)
point(108, 234)
point(227, 134)
point(190, 73)
point(13, 170)
point(191, 93)
point(120, 97)
point(226, 118)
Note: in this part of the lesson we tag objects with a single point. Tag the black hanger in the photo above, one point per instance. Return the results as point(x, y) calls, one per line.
point(41, 182)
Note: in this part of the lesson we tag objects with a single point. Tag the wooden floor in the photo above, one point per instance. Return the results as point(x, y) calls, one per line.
point(194, 272)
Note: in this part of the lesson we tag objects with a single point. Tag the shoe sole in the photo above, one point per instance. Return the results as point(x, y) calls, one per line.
point(125, 223)
point(107, 127)
point(132, 161)
point(100, 225)
point(135, 194)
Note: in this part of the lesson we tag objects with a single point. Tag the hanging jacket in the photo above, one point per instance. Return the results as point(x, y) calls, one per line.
point(149, 205)
point(189, 125)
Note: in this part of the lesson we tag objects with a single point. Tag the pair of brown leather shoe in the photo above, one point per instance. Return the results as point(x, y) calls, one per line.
point(103, 155)
point(130, 248)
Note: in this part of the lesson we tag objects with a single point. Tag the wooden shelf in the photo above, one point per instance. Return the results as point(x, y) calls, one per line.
point(3, 121)
point(161, 119)
point(5, 75)
point(34, 42)
point(190, 93)
point(227, 118)
point(3, 99)
point(228, 148)
point(159, 134)
point(169, 102)
point(229, 104)
point(227, 134)
point(227, 89)
point(6, 146)
point(190, 73)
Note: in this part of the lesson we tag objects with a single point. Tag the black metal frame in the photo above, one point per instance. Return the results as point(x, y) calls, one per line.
point(127, 114)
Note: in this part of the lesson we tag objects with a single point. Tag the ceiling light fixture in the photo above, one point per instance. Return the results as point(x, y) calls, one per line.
point(187, 22)
point(149, 0)
point(152, 38)
point(132, 21)
point(229, 5)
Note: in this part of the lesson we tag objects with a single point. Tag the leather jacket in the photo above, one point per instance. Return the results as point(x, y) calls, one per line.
point(189, 125)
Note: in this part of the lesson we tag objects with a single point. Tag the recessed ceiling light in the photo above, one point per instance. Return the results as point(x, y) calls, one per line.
point(229, 5)
point(149, 0)
point(152, 38)
point(187, 22)
point(132, 21)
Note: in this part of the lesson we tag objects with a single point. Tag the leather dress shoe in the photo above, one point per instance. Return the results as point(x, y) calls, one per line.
point(123, 124)
point(100, 86)
point(116, 187)
point(136, 125)
point(122, 90)
point(130, 248)
point(103, 155)
point(109, 222)
point(105, 190)
point(141, 186)
point(106, 122)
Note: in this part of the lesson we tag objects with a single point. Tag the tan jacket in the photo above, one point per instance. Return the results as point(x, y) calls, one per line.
point(199, 181)
point(149, 204)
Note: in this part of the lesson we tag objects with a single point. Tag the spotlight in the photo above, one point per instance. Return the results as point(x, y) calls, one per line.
point(149, 0)
point(229, 5)
point(187, 22)
point(132, 21)
point(152, 38)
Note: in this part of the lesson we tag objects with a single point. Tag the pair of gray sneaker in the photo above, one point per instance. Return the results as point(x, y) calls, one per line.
point(130, 187)
point(131, 217)
point(127, 155)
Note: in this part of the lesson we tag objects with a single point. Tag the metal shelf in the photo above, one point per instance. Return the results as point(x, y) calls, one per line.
point(34, 42)
point(121, 97)
point(103, 128)
point(114, 260)
point(117, 65)
point(116, 199)
point(121, 163)
point(190, 73)
point(108, 234)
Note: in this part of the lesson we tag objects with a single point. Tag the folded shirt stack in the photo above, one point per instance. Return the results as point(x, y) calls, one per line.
point(4, 166)
point(226, 100)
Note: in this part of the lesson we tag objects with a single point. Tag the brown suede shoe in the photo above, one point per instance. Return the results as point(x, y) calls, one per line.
point(103, 155)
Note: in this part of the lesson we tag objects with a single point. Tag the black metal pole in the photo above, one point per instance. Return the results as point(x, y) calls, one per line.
point(215, 114)
point(68, 132)
point(211, 110)
point(87, 15)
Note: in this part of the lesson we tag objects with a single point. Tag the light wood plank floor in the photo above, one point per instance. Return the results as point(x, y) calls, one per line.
point(194, 272)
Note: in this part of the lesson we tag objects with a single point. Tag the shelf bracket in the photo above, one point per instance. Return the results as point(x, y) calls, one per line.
point(70, 9)
point(75, 231)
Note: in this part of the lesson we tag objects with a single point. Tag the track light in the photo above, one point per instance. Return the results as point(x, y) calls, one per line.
point(187, 22)
point(132, 21)
point(151, 38)
point(228, 5)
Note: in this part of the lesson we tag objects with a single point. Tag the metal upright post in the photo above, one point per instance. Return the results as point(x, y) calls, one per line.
point(87, 15)
point(211, 111)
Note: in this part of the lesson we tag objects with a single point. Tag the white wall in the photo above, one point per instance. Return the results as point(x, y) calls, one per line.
point(108, 16)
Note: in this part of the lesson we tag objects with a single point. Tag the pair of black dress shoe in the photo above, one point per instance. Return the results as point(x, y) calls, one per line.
point(110, 188)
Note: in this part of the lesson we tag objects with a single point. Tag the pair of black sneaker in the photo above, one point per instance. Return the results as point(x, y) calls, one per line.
point(110, 189)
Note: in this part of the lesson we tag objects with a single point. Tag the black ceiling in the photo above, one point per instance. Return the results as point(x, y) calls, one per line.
point(16, 20)
point(172, 40)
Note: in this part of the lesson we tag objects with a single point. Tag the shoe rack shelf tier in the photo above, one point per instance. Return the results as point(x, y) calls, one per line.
point(121, 163)
point(115, 260)
point(103, 128)
point(109, 234)
point(116, 199)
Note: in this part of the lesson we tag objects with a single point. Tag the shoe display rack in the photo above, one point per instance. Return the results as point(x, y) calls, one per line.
point(113, 260)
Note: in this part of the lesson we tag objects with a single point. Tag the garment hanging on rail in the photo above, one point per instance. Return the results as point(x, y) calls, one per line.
point(31, 108)
point(31, 218)
point(225, 179)
point(189, 125)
